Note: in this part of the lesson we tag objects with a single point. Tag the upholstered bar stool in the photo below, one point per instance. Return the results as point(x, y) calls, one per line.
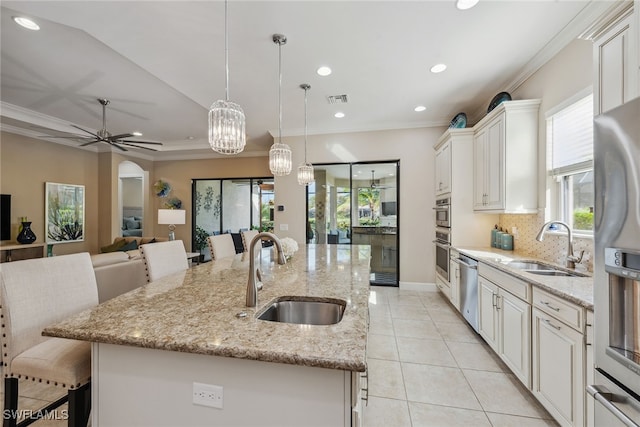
point(221, 246)
point(35, 294)
point(164, 258)
point(247, 237)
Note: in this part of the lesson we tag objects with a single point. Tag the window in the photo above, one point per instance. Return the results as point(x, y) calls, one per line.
point(570, 151)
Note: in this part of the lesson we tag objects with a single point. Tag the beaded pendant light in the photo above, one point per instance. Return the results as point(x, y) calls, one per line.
point(226, 118)
point(280, 154)
point(305, 170)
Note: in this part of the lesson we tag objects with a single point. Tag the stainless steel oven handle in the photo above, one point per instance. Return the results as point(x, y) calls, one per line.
point(604, 396)
point(441, 208)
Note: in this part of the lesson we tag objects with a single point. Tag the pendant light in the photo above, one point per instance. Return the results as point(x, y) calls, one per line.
point(280, 154)
point(226, 118)
point(305, 170)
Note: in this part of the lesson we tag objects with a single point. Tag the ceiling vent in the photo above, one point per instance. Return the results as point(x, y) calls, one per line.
point(337, 99)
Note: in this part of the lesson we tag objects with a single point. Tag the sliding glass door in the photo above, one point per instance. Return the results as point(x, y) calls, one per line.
point(357, 203)
point(230, 206)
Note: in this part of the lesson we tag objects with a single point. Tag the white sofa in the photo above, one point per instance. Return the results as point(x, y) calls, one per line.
point(120, 272)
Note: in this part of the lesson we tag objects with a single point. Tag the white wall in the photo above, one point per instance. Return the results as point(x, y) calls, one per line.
point(414, 149)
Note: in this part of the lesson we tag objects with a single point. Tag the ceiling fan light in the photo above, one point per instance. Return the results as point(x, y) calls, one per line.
point(226, 127)
point(305, 174)
point(280, 159)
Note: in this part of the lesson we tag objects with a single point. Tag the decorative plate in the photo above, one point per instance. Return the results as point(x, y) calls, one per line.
point(498, 99)
point(459, 121)
point(162, 188)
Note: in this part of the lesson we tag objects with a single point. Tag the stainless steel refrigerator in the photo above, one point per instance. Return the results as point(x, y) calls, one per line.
point(617, 266)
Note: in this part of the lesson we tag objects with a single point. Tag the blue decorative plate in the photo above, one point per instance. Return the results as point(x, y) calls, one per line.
point(498, 99)
point(459, 121)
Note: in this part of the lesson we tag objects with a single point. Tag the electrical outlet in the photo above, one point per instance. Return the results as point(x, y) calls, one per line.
point(208, 395)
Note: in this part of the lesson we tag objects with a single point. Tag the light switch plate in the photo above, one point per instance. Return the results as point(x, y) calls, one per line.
point(284, 227)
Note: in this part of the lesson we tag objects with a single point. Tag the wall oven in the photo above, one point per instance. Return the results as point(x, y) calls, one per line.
point(617, 266)
point(443, 248)
point(443, 212)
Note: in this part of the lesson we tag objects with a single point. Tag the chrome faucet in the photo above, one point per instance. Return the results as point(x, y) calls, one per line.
point(255, 277)
point(571, 259)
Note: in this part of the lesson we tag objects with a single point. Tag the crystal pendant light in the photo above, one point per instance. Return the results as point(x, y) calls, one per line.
point(280, 154)
point(305, 170)
point(226, 118)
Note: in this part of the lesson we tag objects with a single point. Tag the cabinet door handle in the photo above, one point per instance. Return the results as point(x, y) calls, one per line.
point(493, 299)
point(548, 304)
point(548, 322)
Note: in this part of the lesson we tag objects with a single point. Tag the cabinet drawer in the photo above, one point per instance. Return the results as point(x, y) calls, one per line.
point(444, 287)
point(517, 287)
point(559, 308)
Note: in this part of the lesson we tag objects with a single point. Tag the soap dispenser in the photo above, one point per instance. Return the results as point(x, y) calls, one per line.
point(493, 236)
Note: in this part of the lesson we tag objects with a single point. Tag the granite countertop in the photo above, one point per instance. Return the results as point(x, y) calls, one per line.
point(578, 290)
point(195, 311)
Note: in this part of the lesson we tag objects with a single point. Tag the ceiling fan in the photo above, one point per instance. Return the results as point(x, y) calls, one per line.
point(103, 135)
point(376, 185)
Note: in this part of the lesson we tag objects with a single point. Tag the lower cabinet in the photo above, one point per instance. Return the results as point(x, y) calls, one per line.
point(443, 286)
point(454, 282)
point(505, 323)
point(558, 361)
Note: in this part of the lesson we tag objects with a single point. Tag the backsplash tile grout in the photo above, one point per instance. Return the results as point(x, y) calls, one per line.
point(554, 246)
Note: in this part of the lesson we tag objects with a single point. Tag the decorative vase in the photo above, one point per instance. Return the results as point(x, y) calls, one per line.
point(26, 235)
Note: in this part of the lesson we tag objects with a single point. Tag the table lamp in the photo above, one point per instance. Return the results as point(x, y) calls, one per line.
point(171, 217)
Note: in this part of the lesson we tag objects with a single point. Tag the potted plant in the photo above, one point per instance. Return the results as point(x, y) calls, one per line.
point(200, 241)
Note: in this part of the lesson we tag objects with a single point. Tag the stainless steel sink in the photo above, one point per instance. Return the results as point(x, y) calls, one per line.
point(541, 269)
point(304, 311)
point(529, 265)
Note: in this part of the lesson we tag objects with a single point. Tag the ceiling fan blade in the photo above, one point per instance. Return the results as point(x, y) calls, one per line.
point(89, 143)
point(122, 135)
point(113, 144)
point(140, 142)
point(135, 146)
point(84, 130)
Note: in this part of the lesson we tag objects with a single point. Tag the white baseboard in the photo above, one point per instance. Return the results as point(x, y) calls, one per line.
point(418, 286)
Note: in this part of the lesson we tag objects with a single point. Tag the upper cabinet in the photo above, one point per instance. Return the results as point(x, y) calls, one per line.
point(615, 63)
point(443, 168)
point(505, 159)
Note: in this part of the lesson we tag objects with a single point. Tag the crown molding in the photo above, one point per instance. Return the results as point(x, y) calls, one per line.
point(593, 16)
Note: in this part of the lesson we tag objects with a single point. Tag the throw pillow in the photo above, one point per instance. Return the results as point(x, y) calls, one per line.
point(129, 246)
point(132, 224)
point(114, 246)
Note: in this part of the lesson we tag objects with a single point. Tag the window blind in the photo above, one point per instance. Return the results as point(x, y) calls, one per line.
point(570, 132)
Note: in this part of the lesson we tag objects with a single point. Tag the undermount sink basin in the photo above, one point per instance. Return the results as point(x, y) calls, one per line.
point(541, 269)
point(304, 311)
point(529, 265)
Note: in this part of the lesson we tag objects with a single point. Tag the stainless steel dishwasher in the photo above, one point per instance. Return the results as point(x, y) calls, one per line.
point(469, 289)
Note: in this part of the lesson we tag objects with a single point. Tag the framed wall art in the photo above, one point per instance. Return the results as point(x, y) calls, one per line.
point(64, 216)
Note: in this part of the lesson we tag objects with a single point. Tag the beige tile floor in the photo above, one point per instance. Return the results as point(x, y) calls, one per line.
point(427, 367)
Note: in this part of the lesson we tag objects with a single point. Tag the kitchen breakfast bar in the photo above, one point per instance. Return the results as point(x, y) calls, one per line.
point(154, 346)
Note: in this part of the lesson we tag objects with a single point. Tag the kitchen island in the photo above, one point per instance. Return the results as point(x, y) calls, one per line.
point(152, 345)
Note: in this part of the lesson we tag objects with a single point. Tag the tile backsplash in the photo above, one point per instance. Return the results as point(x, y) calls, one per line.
point(554, 246)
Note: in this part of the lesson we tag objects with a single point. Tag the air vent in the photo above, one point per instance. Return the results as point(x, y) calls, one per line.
point(337, 99)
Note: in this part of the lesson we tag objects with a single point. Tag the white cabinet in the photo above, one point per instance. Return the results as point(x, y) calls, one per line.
point(505, 324)
point(505, 158)
point(443, 169)
point(616, 73)
point(443, 286)
point(558, 358)
point(589, 368)
point(454, 280)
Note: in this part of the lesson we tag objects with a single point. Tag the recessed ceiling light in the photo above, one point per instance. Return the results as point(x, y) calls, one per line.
point(137, 134)
point(26, 23)
point(339, 114)
point(323, 71)
point(466, 4)
point(191, 138)
point(420, 108)
point(438, 68)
